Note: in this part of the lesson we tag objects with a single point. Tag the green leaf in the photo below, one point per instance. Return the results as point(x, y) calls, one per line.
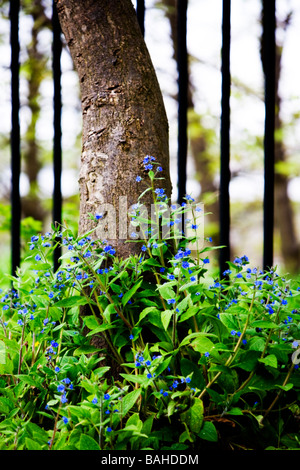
point(270, 360)
point(163, 365)
point(74, 301)
point(6, 405)
point(145, 312)
point(88, 443)
point(286, 387)
point(140, 379)
point(129, 401)
point(34, 382)
point(166, 316)
point(190, 312)
point(202, 344)
point(229, 321)
point(257, 344)
point(166, 291)
point(131, 292)
point(235, 411)
point(87, 349)
point(100, 328)
point(91, 322)
point(194, 416)
point(189, 367)
point(264, 324)
point(2, 353)
point(11, 345)
point(32, 445)
point(248, 360)
point(208, 432)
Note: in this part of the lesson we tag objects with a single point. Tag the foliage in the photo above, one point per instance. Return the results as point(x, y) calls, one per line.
point(202, 363)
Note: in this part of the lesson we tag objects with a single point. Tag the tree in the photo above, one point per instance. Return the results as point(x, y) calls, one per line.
point(123, 113)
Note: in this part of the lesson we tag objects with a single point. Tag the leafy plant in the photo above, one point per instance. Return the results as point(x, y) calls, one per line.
point(148, 352)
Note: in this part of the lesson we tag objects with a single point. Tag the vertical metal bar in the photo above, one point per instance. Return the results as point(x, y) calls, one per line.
point(225, 140)
point(15, 136)
point(57, 107)
point(140, 13)
point(269, 30)
point(182, 67)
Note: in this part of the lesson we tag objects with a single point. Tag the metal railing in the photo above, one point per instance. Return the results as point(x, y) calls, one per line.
point(269, 28)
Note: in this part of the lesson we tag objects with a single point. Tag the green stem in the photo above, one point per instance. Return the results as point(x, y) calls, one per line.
point(55, 426)
point(235, 351)
point(108, 296)
point(280, 391)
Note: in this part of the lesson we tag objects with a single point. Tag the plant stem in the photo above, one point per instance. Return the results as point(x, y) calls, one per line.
point(235, 351)
point(280, 391)
point(55, 426)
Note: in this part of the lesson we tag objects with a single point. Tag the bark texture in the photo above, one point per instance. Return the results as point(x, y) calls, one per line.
point(123, 114)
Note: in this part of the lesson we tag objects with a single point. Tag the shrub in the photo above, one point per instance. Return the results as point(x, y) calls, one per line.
point(147, 352)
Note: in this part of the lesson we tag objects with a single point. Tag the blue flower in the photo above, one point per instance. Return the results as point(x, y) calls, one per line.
point(171, 301)
point(159, 192)
point(65, 420)
point(138, 179)
point(64, 398)
point(106, 396)
point(95, 400)
point(185, 264)
point(144, 248)
point(37, 258)
point(171, 277)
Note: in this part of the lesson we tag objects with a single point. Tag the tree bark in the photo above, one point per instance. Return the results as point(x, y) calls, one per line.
point(123, 114)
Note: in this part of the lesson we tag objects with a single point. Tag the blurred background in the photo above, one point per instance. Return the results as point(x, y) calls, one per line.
point(204, 95)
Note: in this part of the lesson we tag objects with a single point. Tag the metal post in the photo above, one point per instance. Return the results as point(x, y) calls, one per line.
point(269, 28)
point(140, 13)
point(15, 136)
point(57, 106)
point(182, 66)
point(225, 140)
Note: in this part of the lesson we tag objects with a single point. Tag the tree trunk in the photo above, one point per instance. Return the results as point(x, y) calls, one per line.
point(123, 113)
